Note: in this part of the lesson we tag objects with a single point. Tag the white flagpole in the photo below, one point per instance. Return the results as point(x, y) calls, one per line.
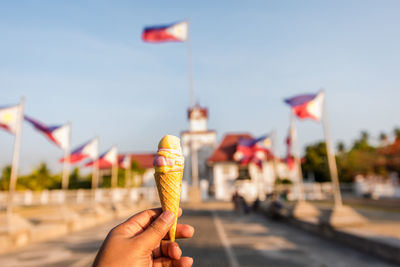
point(193, 150)
point(296, 155)
point(195, 165)
point(190, 66)
point(95, 171)
point(66, 165)
point(274, 152)
point(15, 161)
point(128, 174)
point(331, 159)
point(114, 173)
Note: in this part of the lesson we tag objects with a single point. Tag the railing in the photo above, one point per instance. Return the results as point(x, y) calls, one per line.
point(312, 191)
point(49, 197)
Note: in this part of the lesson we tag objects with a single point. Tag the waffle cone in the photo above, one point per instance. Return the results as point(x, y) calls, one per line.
point(169, 191)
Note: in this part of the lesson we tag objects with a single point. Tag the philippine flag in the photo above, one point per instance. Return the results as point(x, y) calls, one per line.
point(253, 150)
point(107, 159)
point(59, 135)
point(9, 118)
point(307, 106)
point(125, 162)
point(87, 150)
point(176, 32)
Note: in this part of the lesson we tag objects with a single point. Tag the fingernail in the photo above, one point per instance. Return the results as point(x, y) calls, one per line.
point(167, 216)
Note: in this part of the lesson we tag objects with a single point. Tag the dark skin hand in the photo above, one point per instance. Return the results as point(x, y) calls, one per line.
point(142, 241)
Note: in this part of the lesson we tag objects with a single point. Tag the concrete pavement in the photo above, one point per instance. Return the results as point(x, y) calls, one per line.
point(222, 238)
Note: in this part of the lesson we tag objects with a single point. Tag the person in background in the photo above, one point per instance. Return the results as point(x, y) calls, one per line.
point(236, 201)
point(140, 241)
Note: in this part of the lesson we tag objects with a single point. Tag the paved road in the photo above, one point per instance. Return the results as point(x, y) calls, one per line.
point(222, 239)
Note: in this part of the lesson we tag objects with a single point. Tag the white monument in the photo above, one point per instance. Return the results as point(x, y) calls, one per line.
point(198, 143)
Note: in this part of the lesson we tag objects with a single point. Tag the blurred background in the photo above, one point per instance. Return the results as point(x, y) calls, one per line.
point(285, 109)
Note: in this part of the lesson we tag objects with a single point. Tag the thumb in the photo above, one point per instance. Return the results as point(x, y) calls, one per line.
point(153, 235)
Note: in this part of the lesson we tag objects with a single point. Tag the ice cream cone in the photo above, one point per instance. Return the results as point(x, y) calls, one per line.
point(169, 191)
point(168, 165)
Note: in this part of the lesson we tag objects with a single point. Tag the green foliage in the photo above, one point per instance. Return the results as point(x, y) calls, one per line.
point(396, 132)
point(5, 178)
point(316, 161)
point(39, 179)
point(136, 170)
point(283, 181)
point(356, 161)
point(77, 181)
point(341, 147)
point(362, 158)
point(362, 143)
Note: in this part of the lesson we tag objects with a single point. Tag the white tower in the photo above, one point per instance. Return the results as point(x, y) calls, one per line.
point(198, 144)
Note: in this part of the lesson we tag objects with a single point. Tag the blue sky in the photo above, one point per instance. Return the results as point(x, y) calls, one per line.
point(84, 62)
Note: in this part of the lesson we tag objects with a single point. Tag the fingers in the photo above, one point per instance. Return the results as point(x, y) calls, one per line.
point(140, 221)
point(152, 236)
point(168, 249)
point(183, 231)
point(174, 251)
point(166, 262)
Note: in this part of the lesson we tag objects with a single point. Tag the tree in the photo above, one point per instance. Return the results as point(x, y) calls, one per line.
point(363, 142)
point(341, 148)
point(382, 137)
point(316, 161)
point(76, 180)
point(40, 179)
point(396, 132)
point(5, 178)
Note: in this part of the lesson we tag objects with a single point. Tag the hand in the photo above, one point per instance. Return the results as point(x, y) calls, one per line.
point(139, 242)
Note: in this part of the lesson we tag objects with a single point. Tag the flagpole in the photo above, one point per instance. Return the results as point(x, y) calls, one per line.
point(190, 66)
point(331, 159)
point(95, 171)
point(128, 174)
point(300, 184)
point(274, 151)
point(66, 165)
point(114, 173)
point(195, 166)
point(15, 161)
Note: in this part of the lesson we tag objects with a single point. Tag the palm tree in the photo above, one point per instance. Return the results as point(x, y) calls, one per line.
point(396, 132)
point(383, 138)
point(341, 147)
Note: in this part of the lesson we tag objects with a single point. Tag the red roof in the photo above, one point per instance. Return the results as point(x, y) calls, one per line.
point(227, 148)
point(145, 160)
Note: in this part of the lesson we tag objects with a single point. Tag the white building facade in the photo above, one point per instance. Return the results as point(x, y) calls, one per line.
point(250, 181)
point(198, 143)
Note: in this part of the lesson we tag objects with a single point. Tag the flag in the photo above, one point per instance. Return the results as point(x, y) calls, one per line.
point(87, 150)
point(9, 118)
point(253, 150)
point(307, 106)
point(175, 32)
point(289, 156)
point(126, 162)
point(59, 135)
point(106, 160)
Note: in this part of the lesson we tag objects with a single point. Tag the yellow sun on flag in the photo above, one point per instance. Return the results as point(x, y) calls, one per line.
point(267, 142)
point(7, 117)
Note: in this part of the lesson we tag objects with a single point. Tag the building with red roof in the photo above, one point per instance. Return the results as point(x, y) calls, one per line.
point(250, 180)
point(145, 162)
